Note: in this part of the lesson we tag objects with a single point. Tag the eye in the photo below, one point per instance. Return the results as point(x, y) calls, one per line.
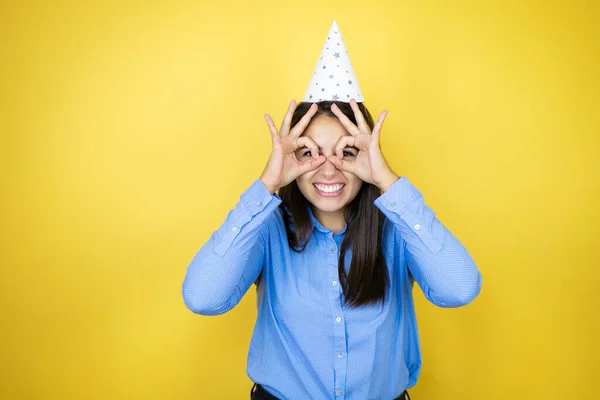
point(307, 153)
point(348, 154)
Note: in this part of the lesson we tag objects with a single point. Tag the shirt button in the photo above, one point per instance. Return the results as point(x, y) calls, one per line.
point(234, 230)
point(393, 204)
point(258, 203)
point(338, 319)
point(334, 283)
point(338, 392)
point(339, 355)
point(333, 249)
point(417, 226)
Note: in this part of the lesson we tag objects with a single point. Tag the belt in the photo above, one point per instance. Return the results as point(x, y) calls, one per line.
point(259, 393)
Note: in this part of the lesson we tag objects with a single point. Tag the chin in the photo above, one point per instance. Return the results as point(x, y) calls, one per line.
point(327, 207)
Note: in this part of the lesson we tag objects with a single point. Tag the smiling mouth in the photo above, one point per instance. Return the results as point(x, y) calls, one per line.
point(329, 189)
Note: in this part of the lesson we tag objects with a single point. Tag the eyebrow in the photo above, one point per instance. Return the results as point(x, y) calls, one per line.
point(347, 147)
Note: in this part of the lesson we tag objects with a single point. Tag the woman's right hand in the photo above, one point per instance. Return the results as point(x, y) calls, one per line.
point(283, 167)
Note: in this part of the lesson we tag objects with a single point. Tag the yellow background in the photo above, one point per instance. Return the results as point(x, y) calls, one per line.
point(129, 130)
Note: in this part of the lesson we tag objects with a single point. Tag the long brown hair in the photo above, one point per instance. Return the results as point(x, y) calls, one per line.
point(368, 280)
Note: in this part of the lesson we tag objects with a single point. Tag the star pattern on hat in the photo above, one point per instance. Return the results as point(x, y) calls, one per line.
point(338, 85)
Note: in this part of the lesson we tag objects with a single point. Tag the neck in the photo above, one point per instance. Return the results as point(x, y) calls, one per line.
point(333, 221)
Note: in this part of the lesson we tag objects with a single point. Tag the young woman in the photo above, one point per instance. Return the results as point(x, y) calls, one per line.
point(334, 257)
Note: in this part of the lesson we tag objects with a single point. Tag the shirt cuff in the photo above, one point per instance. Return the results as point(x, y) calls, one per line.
point(403, 205)
point(256, 197)
point(401, 195)
point(255, 204)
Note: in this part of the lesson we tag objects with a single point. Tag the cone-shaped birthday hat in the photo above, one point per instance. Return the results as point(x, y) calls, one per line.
point(334, 77)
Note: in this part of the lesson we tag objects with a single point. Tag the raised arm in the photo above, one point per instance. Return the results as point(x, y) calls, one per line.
point(224, 268)
point(437, 260)
point(232, 259)
point(440, 264)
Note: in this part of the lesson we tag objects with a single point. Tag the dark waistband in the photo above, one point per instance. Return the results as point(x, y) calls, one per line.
point(259, 393)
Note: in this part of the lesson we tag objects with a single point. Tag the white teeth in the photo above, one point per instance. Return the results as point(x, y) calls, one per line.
point(329, 188)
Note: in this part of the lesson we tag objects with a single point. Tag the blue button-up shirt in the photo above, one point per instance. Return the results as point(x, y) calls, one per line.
point(306, 343)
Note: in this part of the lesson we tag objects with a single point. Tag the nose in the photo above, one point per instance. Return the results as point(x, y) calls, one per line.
point(328, 170)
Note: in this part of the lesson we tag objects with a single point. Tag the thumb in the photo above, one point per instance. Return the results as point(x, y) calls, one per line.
point(341, 164)
point(314, 163)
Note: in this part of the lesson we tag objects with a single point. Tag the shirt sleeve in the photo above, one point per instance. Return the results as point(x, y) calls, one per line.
point(225, 267)
point(440, 264)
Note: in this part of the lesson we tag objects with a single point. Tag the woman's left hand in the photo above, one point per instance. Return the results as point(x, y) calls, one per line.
point(369, 164)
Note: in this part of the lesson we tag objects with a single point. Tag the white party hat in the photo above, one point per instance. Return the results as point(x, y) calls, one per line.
point(334, 78)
